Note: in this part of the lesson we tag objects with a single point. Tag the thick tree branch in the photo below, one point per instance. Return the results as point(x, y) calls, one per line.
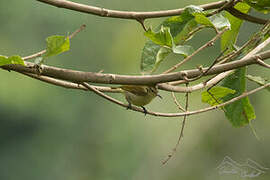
point(70, 85)
point(124, 14)
point(80, 76)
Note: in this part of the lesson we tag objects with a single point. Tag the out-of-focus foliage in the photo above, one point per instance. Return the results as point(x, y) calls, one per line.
point(48, 132)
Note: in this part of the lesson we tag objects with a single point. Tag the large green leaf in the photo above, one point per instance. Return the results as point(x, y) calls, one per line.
point(214, 95)
point(228, 39)
point(216, 21)
point(241, 112)
point(11, 60)
point(179, 27)
point(163, 37)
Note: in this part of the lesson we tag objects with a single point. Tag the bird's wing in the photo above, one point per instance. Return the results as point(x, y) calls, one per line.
point(137, 90)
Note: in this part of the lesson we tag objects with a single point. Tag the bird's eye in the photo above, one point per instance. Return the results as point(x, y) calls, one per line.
point(152, 90)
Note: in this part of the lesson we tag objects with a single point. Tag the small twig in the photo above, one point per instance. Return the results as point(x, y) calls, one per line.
point(208, 69)
point(209, 43)
point(246, 17)
point(44, 51)
point(181, 135)
point(34, 55)
point(258, 59)
point(176, 102)
point(141, 21)
point(77, 31)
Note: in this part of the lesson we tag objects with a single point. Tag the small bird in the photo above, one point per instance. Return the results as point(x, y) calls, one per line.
point(139, 95)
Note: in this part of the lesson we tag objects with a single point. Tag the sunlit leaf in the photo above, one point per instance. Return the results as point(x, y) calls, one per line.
point(219, 21)
point(216, 21)
point(184, 50)
point(11, 60)
point(56, 45)
point(214, 95)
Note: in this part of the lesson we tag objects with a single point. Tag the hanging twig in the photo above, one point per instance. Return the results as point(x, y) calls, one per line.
point(181, 135)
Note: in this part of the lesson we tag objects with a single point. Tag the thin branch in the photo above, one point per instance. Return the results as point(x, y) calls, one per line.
point(219, 77)
point(246, 17)
point(209, 83)
point(181, 135)
point(205, 72)
point(80, 76)
point(262, 63)
point(177, 103)
point(34, 55)
point(209, 43)
point(44, 51)
point(123, 14)
point(134, 108)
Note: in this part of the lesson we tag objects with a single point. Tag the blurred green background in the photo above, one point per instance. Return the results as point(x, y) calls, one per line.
point(48, 132)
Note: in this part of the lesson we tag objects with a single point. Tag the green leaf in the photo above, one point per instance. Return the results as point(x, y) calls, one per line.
point(259, 80)
point(228, 39)
point(11, 60)
point(184, 34)
point(219, 21)
point(260, 5)
point(192, 10)
point(56, 45)
point(161, 55)
point(214, 95)
point(184, 50)
point(240, 112)
point(180, 27)
point(216, 21)
point(162, 37)
point(149, 54)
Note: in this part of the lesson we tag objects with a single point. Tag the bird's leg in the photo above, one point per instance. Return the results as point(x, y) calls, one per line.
point(144, 110)
point(129, 106)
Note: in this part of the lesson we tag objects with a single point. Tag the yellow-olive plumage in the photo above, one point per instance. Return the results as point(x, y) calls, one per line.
point(139, 95)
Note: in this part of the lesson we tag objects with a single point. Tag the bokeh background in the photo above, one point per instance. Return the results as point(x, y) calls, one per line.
point(48, 132)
